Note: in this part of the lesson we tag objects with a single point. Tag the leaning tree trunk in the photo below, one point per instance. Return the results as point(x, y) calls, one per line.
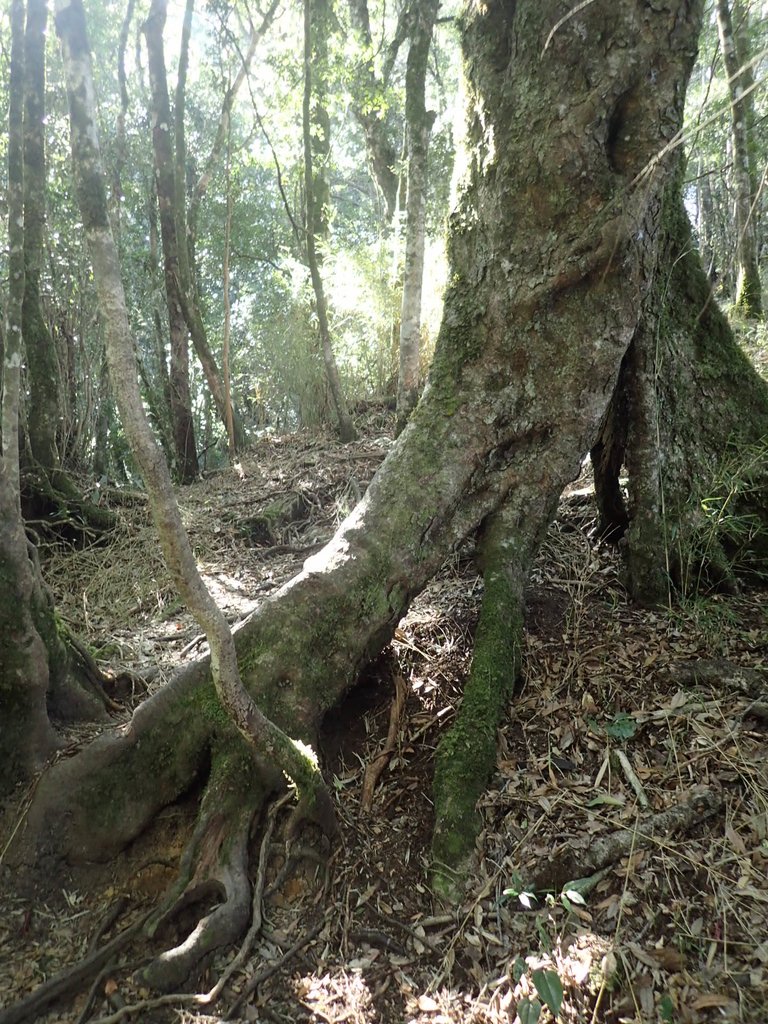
point(546, 285)
point(267, 746)
point(689, 420)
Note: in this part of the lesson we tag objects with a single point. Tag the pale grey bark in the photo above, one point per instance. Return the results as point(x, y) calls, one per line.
point(316, 137)
point(418, 122)
point(269, 743)
point(748, 287)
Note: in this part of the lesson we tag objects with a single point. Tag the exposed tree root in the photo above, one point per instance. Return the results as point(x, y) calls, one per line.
point(567, 864)
point(466, 755)
point(214, 863)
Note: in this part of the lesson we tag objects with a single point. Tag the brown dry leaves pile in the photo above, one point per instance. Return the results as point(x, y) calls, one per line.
point(608, 718)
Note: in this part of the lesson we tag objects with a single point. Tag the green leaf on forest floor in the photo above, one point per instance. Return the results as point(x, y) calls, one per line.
point(528, 1011)
point(622, 726)
point(550, 988)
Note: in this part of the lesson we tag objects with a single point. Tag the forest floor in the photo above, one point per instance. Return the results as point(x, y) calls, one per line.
point(610, 725)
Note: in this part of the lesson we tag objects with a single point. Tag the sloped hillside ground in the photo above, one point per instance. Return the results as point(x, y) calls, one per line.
point(622, 714)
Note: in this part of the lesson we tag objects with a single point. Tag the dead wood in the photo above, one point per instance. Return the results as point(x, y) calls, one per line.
point(69, 980)
point(376, 767)
point(722, 675)
point(567, 864)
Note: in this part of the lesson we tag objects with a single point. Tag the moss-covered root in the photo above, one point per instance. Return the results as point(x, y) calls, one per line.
point(215, 864)
point(466, 755)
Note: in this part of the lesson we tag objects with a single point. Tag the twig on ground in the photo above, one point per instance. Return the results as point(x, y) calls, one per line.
point(632, 778)
point(376, 767)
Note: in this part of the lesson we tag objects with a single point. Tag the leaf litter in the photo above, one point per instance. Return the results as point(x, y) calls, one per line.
point(623, 715)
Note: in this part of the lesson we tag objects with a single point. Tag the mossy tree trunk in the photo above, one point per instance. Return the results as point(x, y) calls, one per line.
point(48, 490)
point(547, 280)
point(689, 421)
point(26, 733)
point(35, 674)
point(267, 748)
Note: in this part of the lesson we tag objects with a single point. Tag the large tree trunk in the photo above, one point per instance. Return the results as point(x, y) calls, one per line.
point(547, 280)
point(688, 419)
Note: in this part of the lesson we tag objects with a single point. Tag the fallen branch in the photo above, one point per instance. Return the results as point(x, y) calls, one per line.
point(68, 980)
point(567, 864)
point(720, 673)
point(374, 770)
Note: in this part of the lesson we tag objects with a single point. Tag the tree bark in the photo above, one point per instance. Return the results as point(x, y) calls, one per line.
point(317, 147)
point(748, 288)
point(27, 734)
point(418, 122)
point(43, 366)
point(548, 278)
point(688, 418)
point(181, 404)
point(187, 288)
point(382, 151)
point(267, 745)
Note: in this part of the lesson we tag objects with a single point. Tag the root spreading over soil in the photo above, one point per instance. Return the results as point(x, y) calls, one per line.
point(642, 732)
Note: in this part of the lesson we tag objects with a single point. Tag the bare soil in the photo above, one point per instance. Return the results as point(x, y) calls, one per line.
point(609, 726)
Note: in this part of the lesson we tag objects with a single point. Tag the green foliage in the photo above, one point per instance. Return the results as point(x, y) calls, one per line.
point(727, 515)
point(550, 989)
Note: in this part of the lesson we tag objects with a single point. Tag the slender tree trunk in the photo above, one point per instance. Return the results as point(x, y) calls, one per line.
point(187, 288)
point(228, 416)
point(181, 403)
point(43, 366)
point(382, 151)
point(316, 123)
point(419, 122)
point(268, 746)
point(748, 287)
